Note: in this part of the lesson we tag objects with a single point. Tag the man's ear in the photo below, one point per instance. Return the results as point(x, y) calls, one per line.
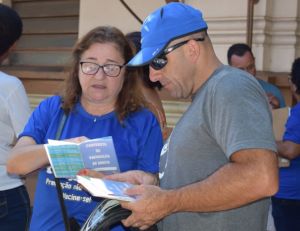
point(193, 49)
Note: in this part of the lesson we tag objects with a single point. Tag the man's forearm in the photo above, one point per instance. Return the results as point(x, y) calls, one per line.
point(231, 186)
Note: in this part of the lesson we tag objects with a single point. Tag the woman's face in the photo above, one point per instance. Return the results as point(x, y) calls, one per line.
point(99, 88)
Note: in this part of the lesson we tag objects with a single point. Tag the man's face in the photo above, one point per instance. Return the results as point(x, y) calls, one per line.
point(173, 75)
point(245, 62)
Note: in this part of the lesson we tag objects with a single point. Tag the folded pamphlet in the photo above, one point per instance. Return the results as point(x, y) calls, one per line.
point(105, 188)
point(68, 158)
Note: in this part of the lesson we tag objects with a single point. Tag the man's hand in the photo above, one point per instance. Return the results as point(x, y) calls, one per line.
point(152, 205)
point(136, 177)
point(273, 101)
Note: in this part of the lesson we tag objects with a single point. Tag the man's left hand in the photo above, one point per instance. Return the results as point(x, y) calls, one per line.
point(152, 205)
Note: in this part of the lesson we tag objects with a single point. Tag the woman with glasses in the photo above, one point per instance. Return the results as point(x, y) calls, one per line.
point(101, 98)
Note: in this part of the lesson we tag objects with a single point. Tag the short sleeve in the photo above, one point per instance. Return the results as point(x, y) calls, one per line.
point(18, 107)
point(39, 121)
point(241, 118)
point(150, 141)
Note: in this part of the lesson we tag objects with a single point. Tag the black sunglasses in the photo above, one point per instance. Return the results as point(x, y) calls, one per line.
point(161, 61)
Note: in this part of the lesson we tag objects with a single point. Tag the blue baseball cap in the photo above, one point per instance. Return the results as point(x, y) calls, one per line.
point(172, 21)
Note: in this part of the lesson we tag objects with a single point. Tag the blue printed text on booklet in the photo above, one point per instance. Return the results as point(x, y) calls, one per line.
point(68, 158)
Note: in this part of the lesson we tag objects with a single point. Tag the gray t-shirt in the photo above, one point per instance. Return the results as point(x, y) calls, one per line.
point(228, 113)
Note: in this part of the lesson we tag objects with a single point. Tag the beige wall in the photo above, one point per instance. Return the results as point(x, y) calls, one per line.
point(275, 33)
point(276, 27)
point(102, 12)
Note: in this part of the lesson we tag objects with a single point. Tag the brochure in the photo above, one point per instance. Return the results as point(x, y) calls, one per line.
point(68, 158)
point(280, 117)
point(105, 188)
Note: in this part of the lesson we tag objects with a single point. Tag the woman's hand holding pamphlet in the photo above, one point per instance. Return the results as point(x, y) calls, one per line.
point(68, 158)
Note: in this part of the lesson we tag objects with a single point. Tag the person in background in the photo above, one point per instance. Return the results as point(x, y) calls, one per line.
point(149, 89)
point(14, 113)
point(240, 55)
point(218, 168)
point(101, 99)
point(286, 202)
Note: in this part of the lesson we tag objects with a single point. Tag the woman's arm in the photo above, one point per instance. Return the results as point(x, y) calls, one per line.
point(288, 149)
point(26, 157)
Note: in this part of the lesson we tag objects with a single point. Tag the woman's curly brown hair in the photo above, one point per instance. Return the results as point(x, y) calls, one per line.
point(130, 98)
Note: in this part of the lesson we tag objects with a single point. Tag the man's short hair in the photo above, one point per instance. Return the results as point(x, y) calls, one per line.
point(10, 27)
point(238, 49)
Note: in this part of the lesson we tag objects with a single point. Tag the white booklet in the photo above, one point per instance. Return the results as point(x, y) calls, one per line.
point(68, 158)
point(105, 188)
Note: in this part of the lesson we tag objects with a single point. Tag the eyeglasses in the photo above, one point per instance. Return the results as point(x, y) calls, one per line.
point(111, 70)
point(161, 61)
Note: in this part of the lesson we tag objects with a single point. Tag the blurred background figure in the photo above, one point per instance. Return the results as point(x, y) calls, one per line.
point(149, 88)
point(14, 112)
point(286, 203)
point(240, 55)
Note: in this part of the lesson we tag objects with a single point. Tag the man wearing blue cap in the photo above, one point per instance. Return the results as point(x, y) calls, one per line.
point(219, 166)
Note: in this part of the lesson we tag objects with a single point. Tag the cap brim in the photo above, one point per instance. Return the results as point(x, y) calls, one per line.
point(145, 56)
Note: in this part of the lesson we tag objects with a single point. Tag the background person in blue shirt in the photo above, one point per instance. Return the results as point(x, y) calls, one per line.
point(240, 55)
point(101, 98)
point(286, 203)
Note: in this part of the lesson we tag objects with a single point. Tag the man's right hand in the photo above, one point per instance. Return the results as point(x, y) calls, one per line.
point(273, 101)
point(136, 177)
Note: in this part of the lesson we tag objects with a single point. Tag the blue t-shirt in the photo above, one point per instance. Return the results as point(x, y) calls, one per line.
point(270, 88)
point(289, 177)
point(138, 143)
